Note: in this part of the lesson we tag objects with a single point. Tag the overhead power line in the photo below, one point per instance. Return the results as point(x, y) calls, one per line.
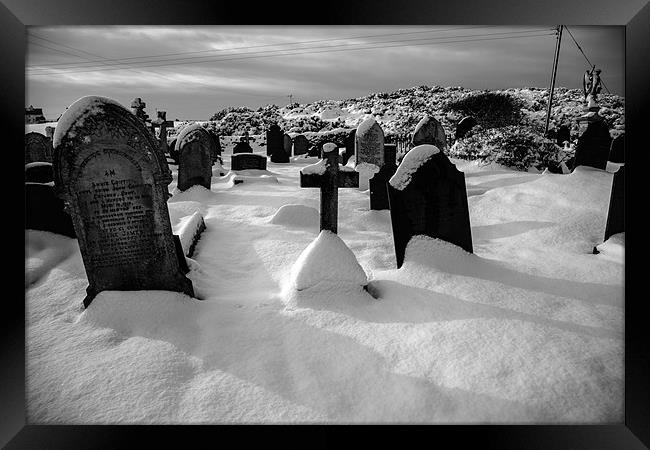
point(298, 51)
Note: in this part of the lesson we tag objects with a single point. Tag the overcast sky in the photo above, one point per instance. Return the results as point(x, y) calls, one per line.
point(194, 71)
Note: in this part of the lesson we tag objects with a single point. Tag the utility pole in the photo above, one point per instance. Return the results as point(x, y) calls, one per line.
point(550, 94)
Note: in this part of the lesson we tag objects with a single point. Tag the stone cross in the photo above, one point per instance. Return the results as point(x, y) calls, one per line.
point(137, 108)
point(162, 123)
point(329, 181)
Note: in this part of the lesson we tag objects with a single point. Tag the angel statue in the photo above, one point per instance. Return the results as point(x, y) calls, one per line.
point(591, 85)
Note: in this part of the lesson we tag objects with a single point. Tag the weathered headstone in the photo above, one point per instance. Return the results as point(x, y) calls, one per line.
point(300, 145)
point(349, 144)
point(39, 172)
point(429, 131)
point(245, 161)
point(428, 197)
point(593, 146)
point(242, 147)
point(378, 189)
point(328, 175)
point(369, 143)
point(616, 212)
point(45, 211)
point(617, 149)
point(287, 144)
point(110, 173)
point(37, 148)
point(464, 125)
point(274, 141)
point(563, 135)
point(195, 157)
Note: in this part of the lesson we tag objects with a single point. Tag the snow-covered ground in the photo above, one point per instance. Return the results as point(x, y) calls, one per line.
point(527, 329)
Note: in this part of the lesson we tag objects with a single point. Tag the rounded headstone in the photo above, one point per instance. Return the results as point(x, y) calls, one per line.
point(39, 172)
point(37, 148)
point(429, 131)
point(300, 145)
point(464, 125)
point(274, 140)
point(195, 157)
point(369, 143)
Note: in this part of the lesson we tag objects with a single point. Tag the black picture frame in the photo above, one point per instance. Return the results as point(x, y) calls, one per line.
point(634, 433)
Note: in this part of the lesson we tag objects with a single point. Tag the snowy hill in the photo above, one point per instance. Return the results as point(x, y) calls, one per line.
point(528, 329)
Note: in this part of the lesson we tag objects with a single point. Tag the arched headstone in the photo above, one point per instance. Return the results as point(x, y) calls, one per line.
point(37, 148)
point(39, 172)
point(110, 173)
point(369, 143)
point(300, 145)
point(274, 140)
point(464, 125)
point(429, 131)
point(287, 144)
point(195, 149)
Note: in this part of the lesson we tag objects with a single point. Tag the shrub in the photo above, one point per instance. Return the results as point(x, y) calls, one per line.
point(490, 109)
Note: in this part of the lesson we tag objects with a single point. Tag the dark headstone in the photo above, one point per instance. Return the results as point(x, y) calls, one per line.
point(563, 134)
point(429, 131)
point(195, 157)
point(173, 151)
point(37, 148)
point(377, 184)
point(287, 143)
point(314, 150)
point(617, 149)
point(217, 145)
point(49, 133)
point(45, 211)
point(113, 179)
point(616, 213)
point(369, 143)
point(245, 161)
point(464, 125)
point(333, 178)
point(274, 141)
point(350, 141)
point(432, 203)
point(593, 146)
point(39, 172)
point(300, 145)
point(242, 147)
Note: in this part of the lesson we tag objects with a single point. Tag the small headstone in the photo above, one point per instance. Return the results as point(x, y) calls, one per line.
point(429, 131)
point(217, 145)
point(49, 133)
point(245, 161)
point(349, 144)
point(377, 184)
point(369, 143)
point(464, 125)
point(616, 213)
point(39, 172)
point(274, 141)
point(593, 146)
point(195, 157)
point(617, 149)
point(314, 150)
point(563, 135)
point(109, 172)
point(45, 211)
point(300, 145)
point(37, 148)
point(287, 144)
point(242, 147)
point(428, 197)
point(329, 176)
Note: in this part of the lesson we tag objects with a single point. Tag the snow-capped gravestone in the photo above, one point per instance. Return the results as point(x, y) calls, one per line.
point(464, 125)
point(194, 157)
point(314, 150)
point(328, 175)
point(616, 213)
point(109, 172)
point(349, 144)
point(428, 197)
point(37, 148)
point(242, 147)
point(378, 190)
point(593, 145)
point(246, 161)
point(617, 149)
point(369, 144)
point(429, 131)
point(39, 172)
point(300, 145)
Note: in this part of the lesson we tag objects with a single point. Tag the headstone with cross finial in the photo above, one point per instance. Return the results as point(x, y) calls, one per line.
point(329, 176)
point(161, 122)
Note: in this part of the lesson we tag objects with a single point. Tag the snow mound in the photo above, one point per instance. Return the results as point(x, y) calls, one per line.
point(367, 170)
point(296, 216)
point(43, 252)
point(319, 168)
point(436, 253)
point(327, 262)
point(77, 113)
point(613, 248)
point(189, 230)
point(412, 161)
